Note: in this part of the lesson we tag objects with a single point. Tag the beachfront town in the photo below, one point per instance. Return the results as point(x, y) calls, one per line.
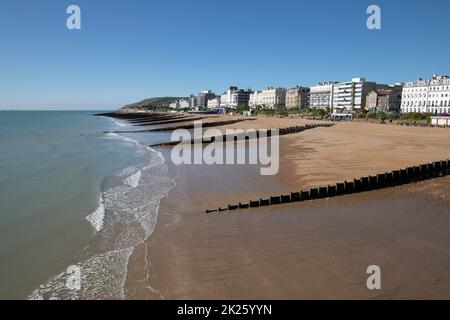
point(341, 100)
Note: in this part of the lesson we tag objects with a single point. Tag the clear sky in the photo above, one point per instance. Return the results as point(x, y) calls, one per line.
point(130, 50)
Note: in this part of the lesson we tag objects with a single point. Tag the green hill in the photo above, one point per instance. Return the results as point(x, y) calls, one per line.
point(152, 103)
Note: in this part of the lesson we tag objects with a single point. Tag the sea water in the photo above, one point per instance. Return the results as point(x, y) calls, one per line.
point(73, 196)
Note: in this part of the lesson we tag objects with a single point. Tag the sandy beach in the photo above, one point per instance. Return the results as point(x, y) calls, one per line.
point(311, 250)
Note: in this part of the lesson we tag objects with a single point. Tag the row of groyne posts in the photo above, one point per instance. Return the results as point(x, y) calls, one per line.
point(187, 126)
point(297, 129)
point(246, 136)
point(364, 184)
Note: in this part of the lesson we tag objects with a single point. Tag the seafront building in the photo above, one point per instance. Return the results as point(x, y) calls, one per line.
point(203, 97)
point(268, 98)
point(385, 100)
point(180, 104)
point(241, 98)
point(254, 100)
point(427, 96)
point(214, 103)
point(351, 96)
point(235, 97)
point(342, 98)
point(185, 104)
point(193, 102)
point(321, 95)
point(297, 98)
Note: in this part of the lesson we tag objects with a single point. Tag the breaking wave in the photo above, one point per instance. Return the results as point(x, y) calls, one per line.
point(120, 124)
point(97, 217)
point(125, 217)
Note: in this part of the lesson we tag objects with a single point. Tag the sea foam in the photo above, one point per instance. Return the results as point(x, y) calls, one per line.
point(103, 276)
point(133, 180)
point(120, 124)
point(132, 210)
point(97, 217)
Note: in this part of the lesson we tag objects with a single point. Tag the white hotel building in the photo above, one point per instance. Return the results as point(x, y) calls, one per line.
point(427, 96)
point(180, 104)
point(321, 96)
point(234, 97)
point(351, 96)
point(269, 98)
point(226, 99)
point(214, 103)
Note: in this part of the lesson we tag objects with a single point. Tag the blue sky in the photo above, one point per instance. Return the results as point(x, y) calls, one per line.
point(130, 50)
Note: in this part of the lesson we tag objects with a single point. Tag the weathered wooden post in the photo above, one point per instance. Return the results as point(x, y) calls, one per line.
point(411, 174)
point(373, 182)
point(275, 200)
point(243, 205)
point(381, 180)
point(331, 191)
point(340, 189)
point(389, 179)
point(323, 192)
point(445, 167)
point(396, 177)
point(285, 198)
point(295, 197)
point(365, 183)
point(404, 176)
point(426, 171)
point(254, 204)
point(358, 185)
point(430, 171)
point(305, 195)
point(349, 187)
point(314, 193)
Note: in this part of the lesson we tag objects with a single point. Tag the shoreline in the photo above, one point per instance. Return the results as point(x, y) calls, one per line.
point(192, 255)
point(127, 206)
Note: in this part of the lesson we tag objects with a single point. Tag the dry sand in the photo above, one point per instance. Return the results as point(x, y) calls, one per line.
point(310, 250)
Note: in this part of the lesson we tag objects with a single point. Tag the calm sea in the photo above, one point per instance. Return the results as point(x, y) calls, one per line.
point(72, 196)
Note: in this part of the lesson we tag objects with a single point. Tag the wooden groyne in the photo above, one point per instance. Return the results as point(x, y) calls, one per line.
point(132, 115)
point(169, 121)
point(245, 136)
point(369, 183)
point(204, 125)
point(150, 118)
point(189, 126)
point(155, 119)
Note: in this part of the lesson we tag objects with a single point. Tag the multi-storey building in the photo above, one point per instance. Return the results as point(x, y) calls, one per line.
point(351, 96)
point(427, 96)
point(234, 97)
point(385, 100)
point(254, 99)
point(180, 104)
point(203, 97)
point(214, 103)
point(193, 101)
point(241, 98)
point(174, 105)
point(268, 98)
point(321, 95)
point(297, 98)
point(185, 104)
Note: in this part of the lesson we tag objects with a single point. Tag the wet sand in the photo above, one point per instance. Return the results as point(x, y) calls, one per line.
point(313, 250)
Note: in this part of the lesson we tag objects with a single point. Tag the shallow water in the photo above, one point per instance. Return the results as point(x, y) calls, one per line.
point(71, 195)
